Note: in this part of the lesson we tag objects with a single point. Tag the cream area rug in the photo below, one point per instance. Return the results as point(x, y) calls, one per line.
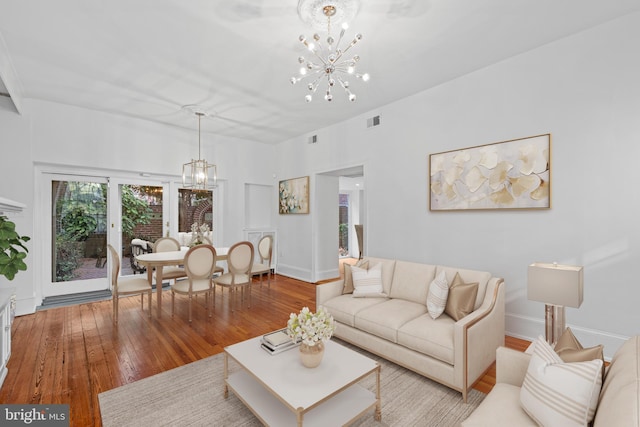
point(192, 395)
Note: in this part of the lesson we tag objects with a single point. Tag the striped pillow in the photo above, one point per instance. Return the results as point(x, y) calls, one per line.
point(367, 283)
point(437, 296)
point(555, 393)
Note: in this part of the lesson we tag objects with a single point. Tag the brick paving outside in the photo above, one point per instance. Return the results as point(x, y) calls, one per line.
point(88, 269)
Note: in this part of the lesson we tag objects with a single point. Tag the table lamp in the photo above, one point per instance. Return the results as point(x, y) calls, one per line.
point(558, 286)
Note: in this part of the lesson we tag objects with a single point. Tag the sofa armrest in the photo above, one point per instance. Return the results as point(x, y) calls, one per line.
point(511, 366)
point(326, 291)
point(478, 335)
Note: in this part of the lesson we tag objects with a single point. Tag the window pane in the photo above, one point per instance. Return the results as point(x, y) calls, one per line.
point(343, 225)
point(194, 206)
point(79, 213)
point(141, 219)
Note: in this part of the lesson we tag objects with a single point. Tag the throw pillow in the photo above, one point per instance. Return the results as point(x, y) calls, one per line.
point(367, 283)
point(347, 288)
point(570, 350)
point(555, 393)
point(461, 298)
point(437, 296)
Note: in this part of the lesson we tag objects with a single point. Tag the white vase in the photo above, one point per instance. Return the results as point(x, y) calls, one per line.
point(311, 355)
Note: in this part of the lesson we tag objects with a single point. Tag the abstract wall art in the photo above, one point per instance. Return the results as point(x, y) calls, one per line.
point(514, 174)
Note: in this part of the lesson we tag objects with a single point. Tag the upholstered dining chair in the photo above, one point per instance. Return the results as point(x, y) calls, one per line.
point(166, 244)
point(126, 285)
point(239, 262)
point(199, 264)
point(265, 250)
point(218, 269)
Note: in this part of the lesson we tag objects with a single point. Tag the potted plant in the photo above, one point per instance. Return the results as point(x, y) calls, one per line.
point(12, 249)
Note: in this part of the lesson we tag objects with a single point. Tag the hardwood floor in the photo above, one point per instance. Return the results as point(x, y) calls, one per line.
point(70, 354)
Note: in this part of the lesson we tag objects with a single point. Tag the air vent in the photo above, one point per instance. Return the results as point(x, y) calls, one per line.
point(373, 121)
point(313, 139)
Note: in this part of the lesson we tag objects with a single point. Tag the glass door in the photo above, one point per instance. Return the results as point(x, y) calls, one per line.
point(77, 233)
point(86, 213)
point(142, 215)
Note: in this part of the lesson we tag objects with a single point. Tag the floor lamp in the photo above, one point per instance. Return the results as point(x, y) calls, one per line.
point(558, 286)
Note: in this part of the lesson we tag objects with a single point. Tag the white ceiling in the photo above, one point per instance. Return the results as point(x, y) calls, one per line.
point(148, 58)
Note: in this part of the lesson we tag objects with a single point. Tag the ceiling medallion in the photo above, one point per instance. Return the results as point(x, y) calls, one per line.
point(328, 61)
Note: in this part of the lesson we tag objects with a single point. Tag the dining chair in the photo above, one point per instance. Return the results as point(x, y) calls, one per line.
point(265, 249)
point(166, 244)
point(199, 264)
point(239, 262)
point(126, 285)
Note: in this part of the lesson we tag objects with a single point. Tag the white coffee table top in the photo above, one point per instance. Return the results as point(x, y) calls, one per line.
point(297, 386)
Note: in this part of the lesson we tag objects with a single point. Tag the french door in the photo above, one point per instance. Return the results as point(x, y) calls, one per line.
point(85, 214)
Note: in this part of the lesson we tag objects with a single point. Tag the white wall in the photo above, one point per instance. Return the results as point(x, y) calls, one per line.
point(61, 135)
point(584, 90)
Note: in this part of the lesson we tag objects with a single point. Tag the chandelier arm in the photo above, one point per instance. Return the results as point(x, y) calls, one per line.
point(319, 72)
point(319, 57)
point(339, 40)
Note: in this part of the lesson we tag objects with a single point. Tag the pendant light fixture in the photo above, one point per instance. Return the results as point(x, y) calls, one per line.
point(198, 174)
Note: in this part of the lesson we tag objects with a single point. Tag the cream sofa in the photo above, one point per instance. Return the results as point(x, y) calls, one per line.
point(399, 328)
point(618, 404)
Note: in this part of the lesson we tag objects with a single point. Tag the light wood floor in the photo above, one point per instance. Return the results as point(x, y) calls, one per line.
point(70, 354)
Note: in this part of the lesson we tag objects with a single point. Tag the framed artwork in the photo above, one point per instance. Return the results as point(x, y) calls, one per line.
point(294, 196)
point(514, 174)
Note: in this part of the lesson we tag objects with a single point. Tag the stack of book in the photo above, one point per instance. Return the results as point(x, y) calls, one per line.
point(277, 342)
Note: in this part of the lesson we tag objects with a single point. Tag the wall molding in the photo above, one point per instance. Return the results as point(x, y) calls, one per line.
point(528, 328)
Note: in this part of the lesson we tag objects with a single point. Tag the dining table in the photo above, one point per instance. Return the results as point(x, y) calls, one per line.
point(158, 260)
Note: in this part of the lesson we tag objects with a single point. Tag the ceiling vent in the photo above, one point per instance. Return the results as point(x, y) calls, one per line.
point(373, 121)
point(313, 139)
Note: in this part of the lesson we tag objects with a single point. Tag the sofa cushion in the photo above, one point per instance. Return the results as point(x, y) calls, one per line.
point(501, 407)
point(367, 283)
point(469, 276)
point(559, 393)
point(620, 397)
point(347, 287)
point(461, 298)
point(429, 336)
point(411, 281)
point(388, 267)
point(344, 308)
point(384, 319)
point(437, 295)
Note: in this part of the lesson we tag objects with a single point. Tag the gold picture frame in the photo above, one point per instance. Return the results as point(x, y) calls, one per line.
point(514, 174)
point(293, 195)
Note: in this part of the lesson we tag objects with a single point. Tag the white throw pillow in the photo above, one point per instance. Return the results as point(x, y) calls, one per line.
point(555, 393)
point(437, 297)
point(367, 283)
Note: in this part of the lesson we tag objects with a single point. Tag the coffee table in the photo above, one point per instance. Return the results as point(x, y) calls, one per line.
point(280, 391)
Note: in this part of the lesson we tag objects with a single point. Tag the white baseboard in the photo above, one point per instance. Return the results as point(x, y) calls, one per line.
point(293, 272)
point(334, 273)
point(26, 306)
point(528, 328)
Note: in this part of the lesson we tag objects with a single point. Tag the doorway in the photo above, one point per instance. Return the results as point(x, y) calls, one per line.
point(335, 229)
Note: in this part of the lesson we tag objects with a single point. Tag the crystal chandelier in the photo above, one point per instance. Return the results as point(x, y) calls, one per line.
point(198, 174)
point(328, 60)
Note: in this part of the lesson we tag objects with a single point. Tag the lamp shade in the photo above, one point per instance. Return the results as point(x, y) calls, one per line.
point(555, 284)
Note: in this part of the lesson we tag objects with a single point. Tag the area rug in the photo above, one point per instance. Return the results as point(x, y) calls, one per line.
point(192, 395)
